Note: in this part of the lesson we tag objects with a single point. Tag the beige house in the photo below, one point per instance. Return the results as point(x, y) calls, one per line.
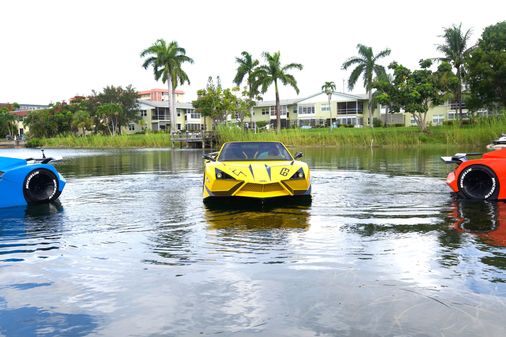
point(159, 95)
point(314, 111)
point(306, 112)
point(155, 116)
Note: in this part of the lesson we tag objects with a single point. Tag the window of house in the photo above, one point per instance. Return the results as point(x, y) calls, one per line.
point(266, 111)
point(437, 119)
point(350, 107)
point(324, 107)
point(346, 121)
point(144, 113)
point(306, 109)
point(282, 111)
point(131, 127)
point(455, 105)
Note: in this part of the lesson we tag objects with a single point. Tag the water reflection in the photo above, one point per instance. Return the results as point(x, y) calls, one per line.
point(382, 250)
point(486, 223)
point(34, 321)
point(120, 162)
point(485, 220)
point(251, 217)
point(425, 160)
point(29, 229)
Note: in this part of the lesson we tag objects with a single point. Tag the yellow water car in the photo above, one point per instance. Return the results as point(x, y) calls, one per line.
point(258, 170)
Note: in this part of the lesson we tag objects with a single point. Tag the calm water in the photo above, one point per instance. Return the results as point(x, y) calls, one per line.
point(131, 251)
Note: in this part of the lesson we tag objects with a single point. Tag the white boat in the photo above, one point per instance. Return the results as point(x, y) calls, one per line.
point(499, 143)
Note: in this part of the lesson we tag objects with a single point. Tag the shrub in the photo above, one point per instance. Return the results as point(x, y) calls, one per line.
point(377, 122)
point(34, 142)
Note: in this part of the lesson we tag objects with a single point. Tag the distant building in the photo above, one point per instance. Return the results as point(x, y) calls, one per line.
point(159, 95)
point(305, 112)
point(24, 107)
point(155, 116)
point(314, 111)
point(21, 112)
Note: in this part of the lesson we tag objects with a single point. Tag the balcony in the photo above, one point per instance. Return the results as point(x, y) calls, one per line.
point(161, 114)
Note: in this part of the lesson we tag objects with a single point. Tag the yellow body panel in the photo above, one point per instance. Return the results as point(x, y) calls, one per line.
point(256, 178)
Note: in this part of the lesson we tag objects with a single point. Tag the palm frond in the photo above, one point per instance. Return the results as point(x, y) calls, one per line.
point(290, 80)
point(365, 51)
point(382, 54)
point(355, 74)
point(351, 61)
point(290, 66)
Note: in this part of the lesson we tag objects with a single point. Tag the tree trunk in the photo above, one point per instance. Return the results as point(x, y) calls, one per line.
point(370, 109)
point(171, 103)
point(330, 113)
point(459, 93)
point(421, 120)
point(175, 110)
point(278, 114)
point(251, 100)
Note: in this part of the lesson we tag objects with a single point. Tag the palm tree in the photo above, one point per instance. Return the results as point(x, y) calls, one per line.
point(455, 50)
point(273, 72)
point(246, 67)
point(167, 60)
point(367, 67)
point(329, 88)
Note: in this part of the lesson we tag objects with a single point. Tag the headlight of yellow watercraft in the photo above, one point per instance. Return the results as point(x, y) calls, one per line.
point(299, 174)
point(222, 175)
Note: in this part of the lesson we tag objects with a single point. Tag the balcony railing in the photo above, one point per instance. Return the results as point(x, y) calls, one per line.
point(455, 105)
point(160, 116)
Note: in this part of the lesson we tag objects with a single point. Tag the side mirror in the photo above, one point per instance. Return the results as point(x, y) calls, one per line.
point(208, 157)
point(298, 155)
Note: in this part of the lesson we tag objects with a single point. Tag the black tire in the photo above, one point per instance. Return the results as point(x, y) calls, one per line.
point(478, 182)
point(41, 186)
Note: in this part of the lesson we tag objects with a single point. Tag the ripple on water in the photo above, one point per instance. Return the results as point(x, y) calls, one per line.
point(128, 247)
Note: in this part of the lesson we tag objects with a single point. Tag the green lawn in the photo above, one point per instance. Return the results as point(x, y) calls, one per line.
point(476, 135)
point(365, 137)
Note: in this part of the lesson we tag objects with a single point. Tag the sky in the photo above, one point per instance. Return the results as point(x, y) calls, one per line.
point(53, 50)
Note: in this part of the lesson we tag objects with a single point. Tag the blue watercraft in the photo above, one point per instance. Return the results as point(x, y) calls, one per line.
point(29, 181)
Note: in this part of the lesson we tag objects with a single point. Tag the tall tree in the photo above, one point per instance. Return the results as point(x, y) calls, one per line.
point(209, 102)
point(167, 60)
point(246, 67)
point(126, 98)
point(111, 114)
point(455, 50)
point(487, 69)
point(415, 91)
point(81, 121)
point(56, 120)
point(366, 65)
point(328, 88)
point(272, 73)
point(7, 122)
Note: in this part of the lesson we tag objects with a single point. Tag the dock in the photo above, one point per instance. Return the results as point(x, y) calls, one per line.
point(194, 140)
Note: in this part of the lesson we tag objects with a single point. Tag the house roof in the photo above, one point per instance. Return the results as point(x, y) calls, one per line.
point(165, 104)
point(163, 91)
point(336, 96)
point(282, 102)
point(20, 113)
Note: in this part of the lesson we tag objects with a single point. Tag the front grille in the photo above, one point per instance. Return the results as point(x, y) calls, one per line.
point(262, 188)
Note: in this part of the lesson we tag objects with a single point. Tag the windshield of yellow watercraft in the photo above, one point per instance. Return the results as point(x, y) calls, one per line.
point(254, 151)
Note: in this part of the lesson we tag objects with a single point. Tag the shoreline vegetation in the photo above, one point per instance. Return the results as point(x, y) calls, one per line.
point(479, 134)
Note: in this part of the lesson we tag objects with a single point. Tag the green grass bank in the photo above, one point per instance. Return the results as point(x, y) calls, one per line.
point(479, 134)
point(476, 135)
point(149, 140)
